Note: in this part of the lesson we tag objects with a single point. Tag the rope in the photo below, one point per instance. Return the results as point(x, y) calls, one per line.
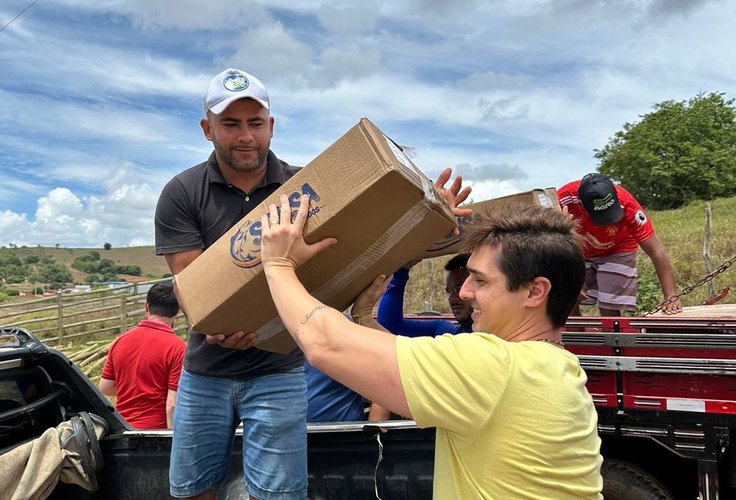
point(378, 463)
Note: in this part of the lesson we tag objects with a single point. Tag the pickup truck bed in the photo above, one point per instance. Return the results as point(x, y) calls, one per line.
point(342, 464)
point(665, 391)
point(40, 388)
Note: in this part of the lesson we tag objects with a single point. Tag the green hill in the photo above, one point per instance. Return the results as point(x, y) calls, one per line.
point(152, 265)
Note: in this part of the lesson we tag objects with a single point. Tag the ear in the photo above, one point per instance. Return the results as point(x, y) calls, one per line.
point(538, 292)
point(205, 124)
point(271, 121)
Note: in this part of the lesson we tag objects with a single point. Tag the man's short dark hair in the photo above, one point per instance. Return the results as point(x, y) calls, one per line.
point(534, 242)
point(457, 262)
point(161, 300)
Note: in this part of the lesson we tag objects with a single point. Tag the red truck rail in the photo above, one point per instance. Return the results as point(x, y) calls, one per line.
point(693, 360)
point(671, 381)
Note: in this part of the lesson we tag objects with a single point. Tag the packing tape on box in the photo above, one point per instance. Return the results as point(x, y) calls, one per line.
point(370, 256)
point(427, 186)
point(544, 200)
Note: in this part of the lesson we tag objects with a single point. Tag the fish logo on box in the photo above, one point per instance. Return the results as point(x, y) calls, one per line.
point(245, 244)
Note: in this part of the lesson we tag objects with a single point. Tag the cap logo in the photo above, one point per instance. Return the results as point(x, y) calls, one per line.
point(235, 82)
point(603, 203)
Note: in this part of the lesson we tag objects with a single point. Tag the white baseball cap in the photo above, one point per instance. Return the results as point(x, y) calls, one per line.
point(231, 85)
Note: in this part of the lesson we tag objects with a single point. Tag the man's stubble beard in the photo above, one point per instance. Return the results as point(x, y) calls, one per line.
point(244, 166)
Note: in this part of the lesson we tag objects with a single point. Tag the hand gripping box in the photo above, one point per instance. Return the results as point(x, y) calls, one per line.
point(366, 193)
point(450, 244)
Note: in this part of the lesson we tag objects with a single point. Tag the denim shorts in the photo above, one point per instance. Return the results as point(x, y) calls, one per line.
point(273, 411)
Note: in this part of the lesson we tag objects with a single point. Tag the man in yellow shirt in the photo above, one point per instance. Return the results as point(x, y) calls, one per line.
point(513, 416)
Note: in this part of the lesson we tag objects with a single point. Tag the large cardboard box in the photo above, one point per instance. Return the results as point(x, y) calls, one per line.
point(450, 244)
point(366, 193)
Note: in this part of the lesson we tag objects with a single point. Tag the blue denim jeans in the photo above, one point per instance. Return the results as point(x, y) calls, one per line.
point(273, 411)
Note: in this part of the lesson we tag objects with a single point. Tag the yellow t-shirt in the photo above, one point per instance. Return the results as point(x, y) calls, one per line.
point(514, 419)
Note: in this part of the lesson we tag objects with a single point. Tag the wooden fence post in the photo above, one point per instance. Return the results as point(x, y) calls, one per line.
point(706, 247)
point(60, 308)
point(123, 311)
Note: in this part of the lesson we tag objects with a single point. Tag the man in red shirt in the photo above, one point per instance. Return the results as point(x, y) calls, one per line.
point(614, 225)
point(143, 366)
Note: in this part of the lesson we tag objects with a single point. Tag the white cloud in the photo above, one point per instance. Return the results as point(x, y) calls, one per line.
point(123, 217)
point(13, 227)
point(269, 49)
point(485, 190)
point(348, 62)
point(101, 98)
point(349, 18)
point(178, 14)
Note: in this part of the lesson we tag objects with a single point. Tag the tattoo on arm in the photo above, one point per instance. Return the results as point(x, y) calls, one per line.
point(309, 315)
point(312, 313)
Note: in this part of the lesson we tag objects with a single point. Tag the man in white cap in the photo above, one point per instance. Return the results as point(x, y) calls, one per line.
point(223, 381)
point(614, 225)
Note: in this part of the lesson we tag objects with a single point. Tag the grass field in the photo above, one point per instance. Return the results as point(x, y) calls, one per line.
point(681, 231)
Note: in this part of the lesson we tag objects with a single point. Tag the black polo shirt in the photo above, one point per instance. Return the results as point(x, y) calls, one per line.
point(195, 208)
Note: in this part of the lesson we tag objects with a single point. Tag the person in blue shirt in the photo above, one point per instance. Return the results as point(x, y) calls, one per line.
point(329, 400)
point(391, 307)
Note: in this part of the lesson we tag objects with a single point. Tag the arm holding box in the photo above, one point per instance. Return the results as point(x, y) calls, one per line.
point(364, 359)
point(361, 358)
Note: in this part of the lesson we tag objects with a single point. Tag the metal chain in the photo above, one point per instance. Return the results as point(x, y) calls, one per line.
point(702, 281)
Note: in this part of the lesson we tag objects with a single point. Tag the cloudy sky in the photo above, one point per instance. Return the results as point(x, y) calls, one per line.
point(100, 100)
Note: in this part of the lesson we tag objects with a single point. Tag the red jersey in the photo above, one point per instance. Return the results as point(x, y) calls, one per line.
point(622, 236)
point(145, 363)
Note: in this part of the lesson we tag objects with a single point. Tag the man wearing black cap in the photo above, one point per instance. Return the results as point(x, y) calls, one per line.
point(613, 225)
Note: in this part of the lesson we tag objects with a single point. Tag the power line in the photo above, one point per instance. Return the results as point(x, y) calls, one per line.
point(20, 14)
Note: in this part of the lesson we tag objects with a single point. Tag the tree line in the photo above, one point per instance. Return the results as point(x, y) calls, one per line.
point(43, 270)
point(32, 269)
point(680, 152)
point(99, 269)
